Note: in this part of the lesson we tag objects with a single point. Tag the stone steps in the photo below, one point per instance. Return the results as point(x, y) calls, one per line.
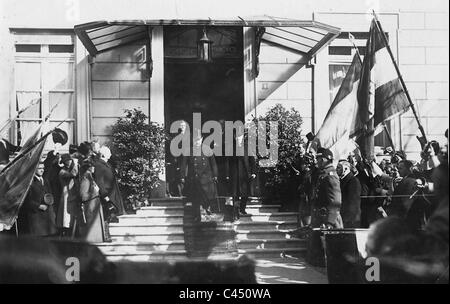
point(269, 234)
point(258, 209)
point(264, 217)
point(139, 229)
point(270, 244)
point(151, 220)
point(269, 225)
point(163, 231)
point(148, 237)
point(166, 202)
point(272, 252)
point(127, 247)
point(142, 228)
point(143, 256)
point(159, 211)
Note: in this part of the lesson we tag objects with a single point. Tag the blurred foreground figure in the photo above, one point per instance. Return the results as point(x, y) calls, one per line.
point(410, 255)
point(30, 260)
point(45, 261)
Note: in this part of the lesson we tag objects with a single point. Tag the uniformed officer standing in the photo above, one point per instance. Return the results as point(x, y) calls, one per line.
point(242, 171)
point(327, 197)
point(199, 174)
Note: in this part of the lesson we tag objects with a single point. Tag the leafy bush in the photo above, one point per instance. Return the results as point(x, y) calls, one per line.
point(281, 180)
point(139, 148)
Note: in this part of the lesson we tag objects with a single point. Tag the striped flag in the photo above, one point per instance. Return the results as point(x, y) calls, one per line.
point(341, 121)
point(380, 94)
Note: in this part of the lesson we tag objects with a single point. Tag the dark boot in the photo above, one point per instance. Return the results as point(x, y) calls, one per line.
point(243, 206)
point(228, 214)
point(237, 208)
point(107, 234)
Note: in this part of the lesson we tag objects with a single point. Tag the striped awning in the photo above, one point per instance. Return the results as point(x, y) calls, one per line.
point(307, 37)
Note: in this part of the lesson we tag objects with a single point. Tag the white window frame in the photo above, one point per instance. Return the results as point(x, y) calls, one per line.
point(44, 57)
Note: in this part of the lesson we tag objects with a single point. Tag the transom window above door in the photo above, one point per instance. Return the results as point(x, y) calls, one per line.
point(182, 41)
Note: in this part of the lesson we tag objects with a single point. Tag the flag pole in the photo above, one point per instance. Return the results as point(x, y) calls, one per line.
point(22, 154)
point(383, 35)
point(352, 41)
point(9, 120)
point(388, 134)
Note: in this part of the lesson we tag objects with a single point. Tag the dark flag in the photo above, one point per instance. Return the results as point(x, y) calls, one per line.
point(15, 182)
point(380, 94)
point(32, 139)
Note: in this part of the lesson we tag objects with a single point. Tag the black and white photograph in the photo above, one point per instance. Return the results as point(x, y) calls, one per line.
point(209, 144)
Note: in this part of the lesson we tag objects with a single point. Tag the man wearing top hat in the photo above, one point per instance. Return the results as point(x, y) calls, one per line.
point(327, 198)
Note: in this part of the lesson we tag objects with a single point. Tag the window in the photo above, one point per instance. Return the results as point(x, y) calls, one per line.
point(44, 78)
point(341, 52)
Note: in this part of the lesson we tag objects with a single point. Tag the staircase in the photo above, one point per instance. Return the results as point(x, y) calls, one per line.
point(153, 233)
point(165, 231)
point(263, 232)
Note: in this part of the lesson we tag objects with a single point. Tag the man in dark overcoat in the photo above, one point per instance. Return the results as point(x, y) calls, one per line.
point(404, 204)
point(105, 178)
point(37, 215)
point(351, 195)
point(327, 198)
point(199, 174)
point(242, 171)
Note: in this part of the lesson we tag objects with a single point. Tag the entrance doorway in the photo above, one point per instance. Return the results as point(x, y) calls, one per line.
point(214, 89)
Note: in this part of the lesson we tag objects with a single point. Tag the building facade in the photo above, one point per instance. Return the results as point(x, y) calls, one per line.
point(87, 87)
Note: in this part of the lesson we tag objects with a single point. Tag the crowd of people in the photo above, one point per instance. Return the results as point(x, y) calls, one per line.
point(72, 195)
point(355, 193)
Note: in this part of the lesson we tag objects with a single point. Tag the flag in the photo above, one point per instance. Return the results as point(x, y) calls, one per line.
point(380, 94)
point(341, 121)
point(15, 182)
point(32, 139)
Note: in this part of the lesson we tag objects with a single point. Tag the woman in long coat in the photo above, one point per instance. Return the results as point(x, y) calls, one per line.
point(68, 209)
point(105, 178)
point(93, 227)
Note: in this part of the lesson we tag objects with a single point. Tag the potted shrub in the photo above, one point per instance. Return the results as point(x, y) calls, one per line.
point(281, 181)
point(139, 148)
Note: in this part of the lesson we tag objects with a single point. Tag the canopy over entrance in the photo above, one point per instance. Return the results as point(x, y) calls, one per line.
point(306, 37)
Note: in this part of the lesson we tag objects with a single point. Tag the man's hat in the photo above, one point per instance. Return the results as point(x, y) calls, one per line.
point(310, 136)
point(65, 157)
point(325, 153)
point(73, 149)
point(60, 136)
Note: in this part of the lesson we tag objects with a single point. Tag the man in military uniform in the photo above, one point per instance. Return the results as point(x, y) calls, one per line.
point(199, 174)
point(327, 199)
point(242, 171)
